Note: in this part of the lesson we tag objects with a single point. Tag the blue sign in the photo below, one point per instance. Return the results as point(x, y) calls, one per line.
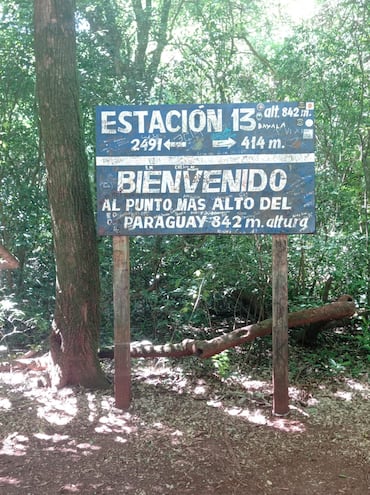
point(195, 169)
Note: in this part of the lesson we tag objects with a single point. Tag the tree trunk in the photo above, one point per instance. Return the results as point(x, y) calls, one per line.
point(7, 261)
point(343, 308)
point(75, 328)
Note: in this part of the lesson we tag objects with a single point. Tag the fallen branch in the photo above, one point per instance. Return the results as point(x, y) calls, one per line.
point(338, 310)
point(343, 308)
point(28, 362)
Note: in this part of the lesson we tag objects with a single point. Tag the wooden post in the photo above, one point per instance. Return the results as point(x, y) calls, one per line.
point(280, 325)
point(122, 340)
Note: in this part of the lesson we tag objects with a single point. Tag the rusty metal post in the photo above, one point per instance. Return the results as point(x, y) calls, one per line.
point(280, 325)
point(122, 338)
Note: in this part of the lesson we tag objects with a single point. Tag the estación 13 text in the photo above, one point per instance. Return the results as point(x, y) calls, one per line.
point(240, 168)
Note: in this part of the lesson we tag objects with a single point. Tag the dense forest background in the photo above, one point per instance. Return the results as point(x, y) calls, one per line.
point(178, 51)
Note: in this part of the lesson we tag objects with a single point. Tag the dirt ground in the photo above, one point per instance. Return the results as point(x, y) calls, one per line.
point(185, 434)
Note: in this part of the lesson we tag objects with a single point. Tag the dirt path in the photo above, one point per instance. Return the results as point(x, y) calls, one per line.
point(184, 435)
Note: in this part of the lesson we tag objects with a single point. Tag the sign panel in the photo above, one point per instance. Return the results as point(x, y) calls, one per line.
point(195, 169)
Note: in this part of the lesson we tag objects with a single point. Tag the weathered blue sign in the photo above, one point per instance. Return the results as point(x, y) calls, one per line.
point(183, 169)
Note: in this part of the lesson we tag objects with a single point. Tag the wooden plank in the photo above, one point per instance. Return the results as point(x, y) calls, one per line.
point(280, 325)
point(122, 339)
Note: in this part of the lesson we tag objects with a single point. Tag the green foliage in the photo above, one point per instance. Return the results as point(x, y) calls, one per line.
point(182, 280)
point(363, 338)
point(24, 214)
point(339, 352)
point(221, 362)
point(17, 328)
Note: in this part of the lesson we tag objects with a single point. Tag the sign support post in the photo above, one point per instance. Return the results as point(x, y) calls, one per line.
point(122, 340)
point(280, 325)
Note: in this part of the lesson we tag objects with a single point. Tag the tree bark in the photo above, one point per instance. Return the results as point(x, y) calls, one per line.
point(75, 328)
point(342, 308)
point(7, 261)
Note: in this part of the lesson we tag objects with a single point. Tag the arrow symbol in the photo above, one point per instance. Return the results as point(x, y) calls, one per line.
point(223, 143)
point(174, 144)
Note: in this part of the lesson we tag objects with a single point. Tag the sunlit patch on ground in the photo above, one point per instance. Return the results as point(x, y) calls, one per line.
point(183, 427)
point(361, 388)
point(7, 480)
point(15, 378)
point(55, 438)
point(5, 403)
point(115, 423)
point(71, 488)
point(56, 407)
point(255, 416)
point(15, 445)
point(344, 395)
point(287, 425)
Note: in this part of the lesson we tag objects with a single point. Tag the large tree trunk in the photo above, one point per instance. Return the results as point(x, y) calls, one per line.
point(343, 308)
point(75, 329)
